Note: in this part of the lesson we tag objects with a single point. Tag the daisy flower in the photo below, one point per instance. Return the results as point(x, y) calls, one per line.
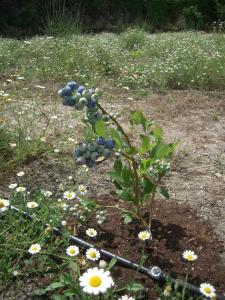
point(20, 189)
point(13, 145)
point(144, 235)
point(167, 291)
point(91, 232)
point(69, 195)
point(92, 254)
point(13, 186)
point(72, 251)
point(20, 174)
point(125, 297)
point(4, 205)
point(47, 193)
point(32, 204)
point(189, 255)
point(35, 248)
point(207, 290)
point(56, 150)
point(96, 281)
point(82, 189)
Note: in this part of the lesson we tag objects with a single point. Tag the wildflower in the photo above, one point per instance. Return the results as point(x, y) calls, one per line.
point(91, 232)
point(20, 174)
point(96, 281)
point(71, 140)
point(63, 223)
point(69, 195)
point(43, 139)
point(56, 150)
point(207, 290)
point(54, 117)
point(32, 204)
point(125, 297)
point(15, 273)
point(102, 264)
point(82, 189)
point(70, 177)
point(13, 186)
point(47, 193)
point(144, 235)
point(167, 290)
point(92, 254)
point(189, 255)
point(20, 189)
point(4, 205)
point(12, 145)
point(72, 251)
point(35, 248)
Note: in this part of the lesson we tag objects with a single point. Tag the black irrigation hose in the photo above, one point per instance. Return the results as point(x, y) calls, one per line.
point(155, 272)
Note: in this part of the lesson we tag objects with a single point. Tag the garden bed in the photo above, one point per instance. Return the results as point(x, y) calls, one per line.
point(175, 229)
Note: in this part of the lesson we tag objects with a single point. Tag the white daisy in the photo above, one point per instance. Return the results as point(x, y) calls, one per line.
point(144, 235)
point(4, 205)
point(125, 297)
point(72, 251)
point(96, 281)
point(63, 223)
point(102, 264)
point(12, 145)
point(35, 248)
point(207, 290)
point(32, 204)
point(20, 189)
point(13, 186)
point(189, 255)
point(91, 232)
point(47, 193)
point(82, 189)
point(69, 195)
point(20, 174)
point(92, 254)
point(56, 150)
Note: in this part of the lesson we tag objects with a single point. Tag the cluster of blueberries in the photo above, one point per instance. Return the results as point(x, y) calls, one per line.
point(88, 153)
point(78, 96)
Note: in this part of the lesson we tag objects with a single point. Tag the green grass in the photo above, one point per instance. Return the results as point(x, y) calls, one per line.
point(134, 58)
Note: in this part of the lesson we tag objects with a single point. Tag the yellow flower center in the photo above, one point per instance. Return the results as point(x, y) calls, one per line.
point(95, 281)
point(72, 251)
point(35, 249)
point(207, 290)
point(190, 257)
point(2, 204)
point(92, 254)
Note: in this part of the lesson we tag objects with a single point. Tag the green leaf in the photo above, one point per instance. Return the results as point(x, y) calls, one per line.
point(39, 292)
point(157, 133)
point(54, 285)
point(100, 128)
point(111, 264)
point(127, 217)
point(163, 191)
point(145, 143)
point(117, 139)
point(124, 194)
point(147, 185)
point(127, 176)
point(161, 150)
point(118, 166)
point(134, 287)
point(58, 297)
point(132, 151)
point(115, 176)
point(137, 118)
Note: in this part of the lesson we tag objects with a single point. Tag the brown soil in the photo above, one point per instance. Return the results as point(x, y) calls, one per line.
point(175, 228)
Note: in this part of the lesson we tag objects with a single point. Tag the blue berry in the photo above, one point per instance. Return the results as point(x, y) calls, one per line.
point(91, 103)
point(77, 153)
point(66, 91)
point(73, 85)
point(94, 156)
point(110, 144)
point(100, 141)
point(106, 153)
point(81, 89)
point(90, 163)
point(69, 101)
point(81, 160)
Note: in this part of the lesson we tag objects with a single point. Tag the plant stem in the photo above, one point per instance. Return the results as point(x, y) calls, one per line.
point(133, 161)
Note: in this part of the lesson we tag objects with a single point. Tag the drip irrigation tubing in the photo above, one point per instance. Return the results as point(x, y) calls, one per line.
point(155, 273)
